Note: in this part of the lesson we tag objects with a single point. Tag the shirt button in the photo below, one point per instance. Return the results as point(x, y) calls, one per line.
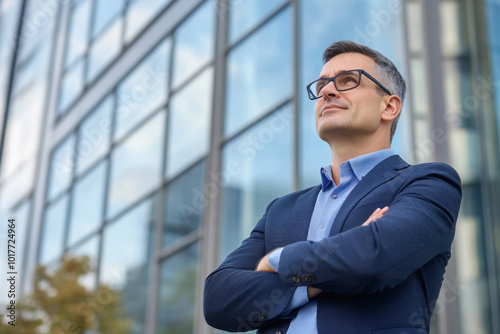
point(321, 226)
point(334, 196)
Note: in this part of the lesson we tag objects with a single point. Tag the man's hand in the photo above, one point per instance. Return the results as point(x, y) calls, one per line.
point(265, 266)
point(313, 292)
point(377, 214)
point(264, 263)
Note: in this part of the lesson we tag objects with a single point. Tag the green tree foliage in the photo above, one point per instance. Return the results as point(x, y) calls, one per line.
point(60, 304)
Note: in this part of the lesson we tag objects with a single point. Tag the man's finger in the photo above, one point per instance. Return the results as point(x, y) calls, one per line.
point(377, 214)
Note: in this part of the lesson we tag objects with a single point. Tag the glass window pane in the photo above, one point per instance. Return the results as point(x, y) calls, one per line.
point(25, 120)
point(94, 135)
point(19, 185)
point(61, 167)
point(194, 42)
point(90, 249)
point(244, 15)
point(189, 123)
point(139, 14)
point(257, 167)
point(87, 203)
point(126, 261)
point(33, 70)
point(78, 31)
point(71, 87)
point(144, 90)
point(179, 274)
point(105, 12)
point(184, 202)
point(259, 81)
point(105, 49)
point(52, 239)
point(136, 165)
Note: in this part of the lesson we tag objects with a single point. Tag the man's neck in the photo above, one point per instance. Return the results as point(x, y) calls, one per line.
point(342, 153)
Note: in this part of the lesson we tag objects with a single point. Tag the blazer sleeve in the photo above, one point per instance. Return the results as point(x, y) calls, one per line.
point(419, 225)
point(238, 298)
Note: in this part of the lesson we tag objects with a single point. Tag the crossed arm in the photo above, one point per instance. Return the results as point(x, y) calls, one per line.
point(312, 292)
point(418, 227)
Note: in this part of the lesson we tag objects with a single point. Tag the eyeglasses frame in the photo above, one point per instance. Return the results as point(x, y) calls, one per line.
point(328, 80)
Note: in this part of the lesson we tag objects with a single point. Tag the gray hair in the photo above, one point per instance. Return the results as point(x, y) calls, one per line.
point(385, 69)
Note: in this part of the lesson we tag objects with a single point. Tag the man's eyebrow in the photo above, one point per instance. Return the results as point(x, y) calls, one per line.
point(336, 73)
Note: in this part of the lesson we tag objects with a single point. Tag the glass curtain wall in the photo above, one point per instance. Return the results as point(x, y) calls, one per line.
point(490, 15)
point(9, 16)
point(121, 184)
point(472, 121)
point(129, 185)
point(27, 108)
point(98, 32)
point(258, 126)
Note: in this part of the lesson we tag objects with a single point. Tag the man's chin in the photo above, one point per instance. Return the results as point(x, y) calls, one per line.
point(327, 133)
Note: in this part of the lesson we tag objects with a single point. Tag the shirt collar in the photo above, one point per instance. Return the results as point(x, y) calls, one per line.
point(360, 165)
point(326, 177)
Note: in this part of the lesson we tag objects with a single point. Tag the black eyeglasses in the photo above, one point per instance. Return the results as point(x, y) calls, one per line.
point(342, 81)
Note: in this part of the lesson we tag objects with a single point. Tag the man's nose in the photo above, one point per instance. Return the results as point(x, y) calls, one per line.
point(330, 91)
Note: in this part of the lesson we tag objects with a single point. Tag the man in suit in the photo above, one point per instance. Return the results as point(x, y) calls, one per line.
point(366, 250)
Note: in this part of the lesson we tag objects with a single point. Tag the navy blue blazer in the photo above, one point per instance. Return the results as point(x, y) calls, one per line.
point(383, 278)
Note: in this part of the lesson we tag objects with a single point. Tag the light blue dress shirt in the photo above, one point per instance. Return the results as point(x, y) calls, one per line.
point(329, 200)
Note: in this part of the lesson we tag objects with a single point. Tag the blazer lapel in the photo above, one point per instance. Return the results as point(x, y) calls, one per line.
point(302, 212)
point(380, 174)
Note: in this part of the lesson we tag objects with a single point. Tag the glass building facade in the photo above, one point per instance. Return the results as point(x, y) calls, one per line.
point(150, 135)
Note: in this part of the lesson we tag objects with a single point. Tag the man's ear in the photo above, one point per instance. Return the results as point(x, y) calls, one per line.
point(392, 108)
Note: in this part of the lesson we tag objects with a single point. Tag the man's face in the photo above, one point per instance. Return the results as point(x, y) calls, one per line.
point(355, 112)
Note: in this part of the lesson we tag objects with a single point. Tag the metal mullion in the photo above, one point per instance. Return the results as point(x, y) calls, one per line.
point(70, 194)
point(40, 196)
point(65, 67)
point(86, 54)
point(448, 323)
point(28, 236)
point(155, 264)
point(107, 179)
point(261, 23)
point(160, 209)
point(209, 236)
point(408, 59)
point(170, 68)
point(154, 273)
point(123, 14)
point(435, 89)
